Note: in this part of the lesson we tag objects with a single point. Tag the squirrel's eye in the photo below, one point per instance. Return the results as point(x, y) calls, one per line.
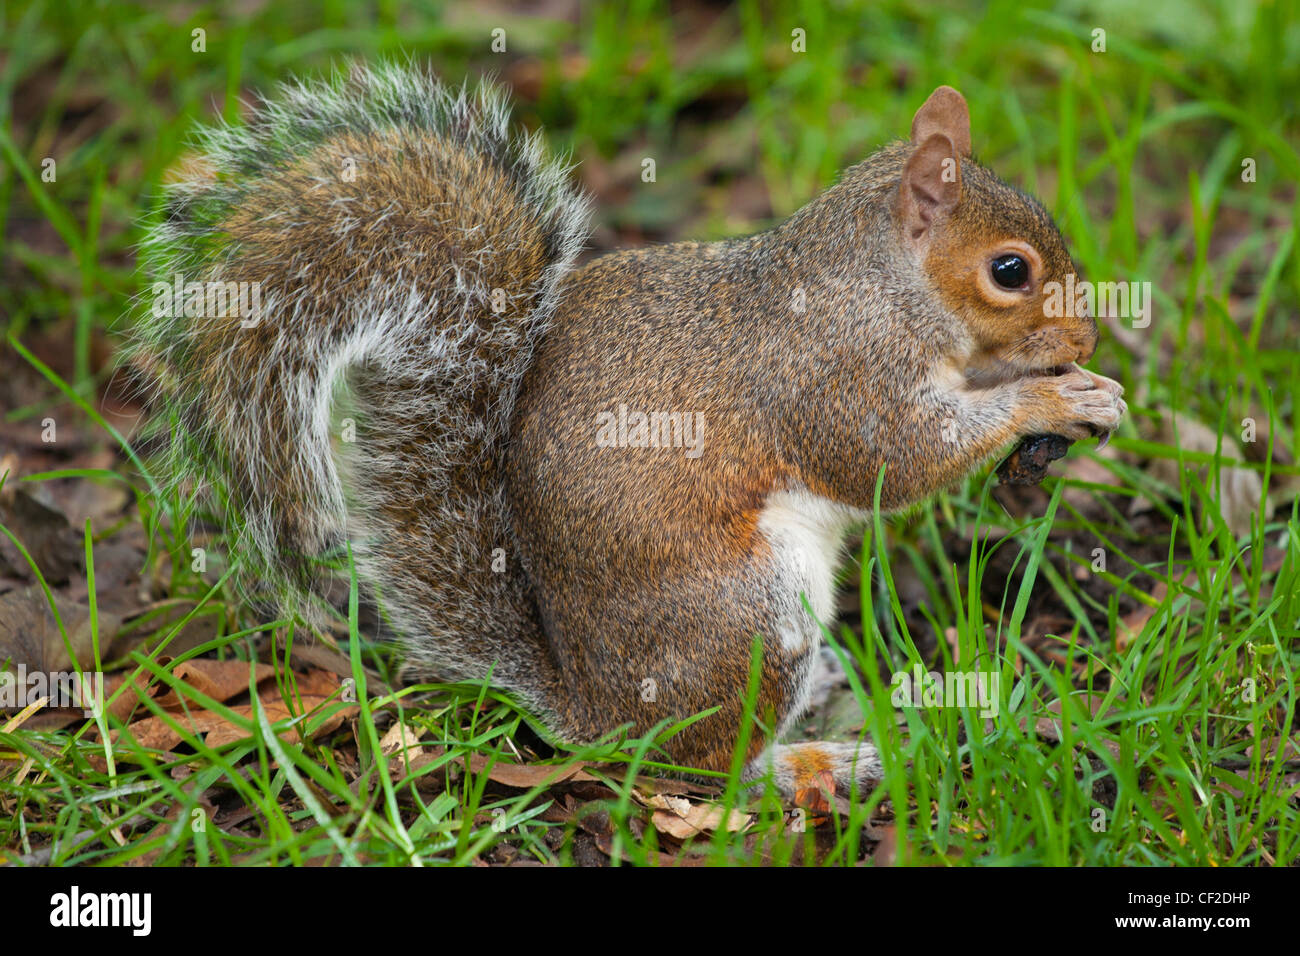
point(1010, 271)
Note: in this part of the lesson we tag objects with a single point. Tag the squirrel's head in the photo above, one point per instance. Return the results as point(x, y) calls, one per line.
point(989, 249)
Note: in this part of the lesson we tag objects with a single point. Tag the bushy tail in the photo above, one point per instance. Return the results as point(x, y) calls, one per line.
point(392, 251)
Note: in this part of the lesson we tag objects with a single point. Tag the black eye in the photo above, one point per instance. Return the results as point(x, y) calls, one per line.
point(1010, 272)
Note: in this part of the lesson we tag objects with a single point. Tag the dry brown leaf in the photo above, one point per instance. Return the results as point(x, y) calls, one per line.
point(53, 544)
point(154, 733)
point(401, 740)
point(674, 804)
point(29, 635)
point(223, 680)
point(525, 776)
point(220, 680)
point(681, 819)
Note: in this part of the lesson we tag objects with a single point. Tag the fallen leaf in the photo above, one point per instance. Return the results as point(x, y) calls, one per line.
point(224, 680)
point(401, 742)
point(220, 680)
point(525, 776)
point(681, 819)
point(53, 544)
point(156, 734)
point(29, 635)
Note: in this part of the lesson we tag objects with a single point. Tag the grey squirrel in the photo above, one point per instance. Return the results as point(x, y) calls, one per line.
point(596, 485)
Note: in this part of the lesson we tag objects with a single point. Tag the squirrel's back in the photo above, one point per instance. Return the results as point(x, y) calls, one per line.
point(403, 247)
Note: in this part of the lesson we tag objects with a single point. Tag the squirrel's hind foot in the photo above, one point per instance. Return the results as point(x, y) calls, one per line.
point(850, 767)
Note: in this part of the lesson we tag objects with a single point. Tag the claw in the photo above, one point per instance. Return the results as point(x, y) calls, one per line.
point(1103, 440)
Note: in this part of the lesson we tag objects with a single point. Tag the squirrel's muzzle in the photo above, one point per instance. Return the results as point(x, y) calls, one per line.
point(1087, 350)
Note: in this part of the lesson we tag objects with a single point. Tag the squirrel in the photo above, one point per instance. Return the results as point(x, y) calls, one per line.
point(594, 486)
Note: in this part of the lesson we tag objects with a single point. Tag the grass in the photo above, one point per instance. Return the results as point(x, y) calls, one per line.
point(1147, 733)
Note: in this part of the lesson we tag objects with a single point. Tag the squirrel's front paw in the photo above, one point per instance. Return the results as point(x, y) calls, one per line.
point(1076, 404)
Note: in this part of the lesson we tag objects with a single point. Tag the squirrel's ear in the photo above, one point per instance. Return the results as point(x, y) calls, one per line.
point(944, 112)
point(930, 187)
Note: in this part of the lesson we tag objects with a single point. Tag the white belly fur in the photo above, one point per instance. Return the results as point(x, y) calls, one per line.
point(806, 533)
